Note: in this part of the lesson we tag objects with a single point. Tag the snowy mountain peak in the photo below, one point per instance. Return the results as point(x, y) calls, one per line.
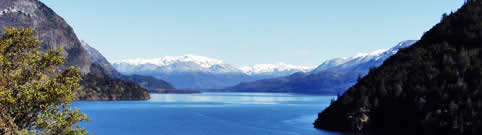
point(270, 68)
point(374, 53)
point(202, 61)
point(393, 50)
point(198, 72)
point(174, 64)
point(357, 62)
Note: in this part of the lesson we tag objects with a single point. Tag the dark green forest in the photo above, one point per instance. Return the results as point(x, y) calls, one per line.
point(97, 85)
point(432, 87)
point(148, 82)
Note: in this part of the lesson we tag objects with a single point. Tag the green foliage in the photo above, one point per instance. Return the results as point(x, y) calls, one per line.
point(34, 94)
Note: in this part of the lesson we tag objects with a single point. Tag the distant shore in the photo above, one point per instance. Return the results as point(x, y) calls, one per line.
point(174, 91)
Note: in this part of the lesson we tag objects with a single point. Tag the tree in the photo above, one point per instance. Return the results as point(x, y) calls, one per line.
point(34, 93)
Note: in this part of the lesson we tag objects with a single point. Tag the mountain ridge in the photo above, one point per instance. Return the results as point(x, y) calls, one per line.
point(350, 64)
point(282, 69)
point(208, 63)
point(333, 76)
point(199, 72)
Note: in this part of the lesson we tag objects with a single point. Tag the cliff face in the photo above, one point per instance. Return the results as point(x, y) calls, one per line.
point(97, 58)
point(54, 33)
point(51, 29)
point(432, 87)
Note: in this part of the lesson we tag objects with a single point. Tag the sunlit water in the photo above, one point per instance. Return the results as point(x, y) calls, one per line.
point(207, 114)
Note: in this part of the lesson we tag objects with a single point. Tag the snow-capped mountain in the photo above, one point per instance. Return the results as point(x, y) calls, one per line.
point(275, 70)
point(186, 63)
point(199, 72)
point(361, 61)
point(331, 77)
point(185, 72)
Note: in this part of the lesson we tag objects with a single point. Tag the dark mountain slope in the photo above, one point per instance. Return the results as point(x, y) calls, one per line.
point(317, 83)
point(97, 58)
point(97, 85)
point(148, 82)
point(432, 87)
point(54, 32)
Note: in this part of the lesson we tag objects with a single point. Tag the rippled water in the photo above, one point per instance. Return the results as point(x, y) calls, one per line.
point(207, 114)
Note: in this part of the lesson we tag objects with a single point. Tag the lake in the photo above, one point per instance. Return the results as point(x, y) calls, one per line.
point(207, 114)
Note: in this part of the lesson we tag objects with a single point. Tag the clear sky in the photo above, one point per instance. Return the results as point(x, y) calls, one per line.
point(245, 32)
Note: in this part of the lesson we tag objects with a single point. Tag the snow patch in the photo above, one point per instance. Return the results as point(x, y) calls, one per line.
point(376, 58)
point(204, 62)
point(280, 67)
point(374, 53)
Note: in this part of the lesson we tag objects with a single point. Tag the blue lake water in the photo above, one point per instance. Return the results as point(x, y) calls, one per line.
point(207, 114)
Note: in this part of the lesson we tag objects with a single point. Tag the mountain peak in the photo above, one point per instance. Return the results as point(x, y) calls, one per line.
point(374, 53)
point(185, 63)
point(204, 62)
point(270, 68)
point(372, 59)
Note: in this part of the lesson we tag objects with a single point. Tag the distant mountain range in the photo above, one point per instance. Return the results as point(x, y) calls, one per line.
point(203, 73)
point(170, 64)
point(262, 71)
point(331, 77)
point(198, 72)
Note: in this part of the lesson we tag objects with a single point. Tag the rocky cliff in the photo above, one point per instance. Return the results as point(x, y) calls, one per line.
point(54, 33)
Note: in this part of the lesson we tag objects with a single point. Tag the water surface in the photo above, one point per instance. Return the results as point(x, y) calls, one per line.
point(207, 114)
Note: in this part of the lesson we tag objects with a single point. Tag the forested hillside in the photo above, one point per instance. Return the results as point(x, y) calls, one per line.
point(432, 87)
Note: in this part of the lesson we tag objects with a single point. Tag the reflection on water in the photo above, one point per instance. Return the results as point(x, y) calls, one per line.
point(207, 114)
point(237, 98)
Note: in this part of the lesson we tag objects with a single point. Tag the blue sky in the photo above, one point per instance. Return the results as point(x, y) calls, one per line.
point(245, 32)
